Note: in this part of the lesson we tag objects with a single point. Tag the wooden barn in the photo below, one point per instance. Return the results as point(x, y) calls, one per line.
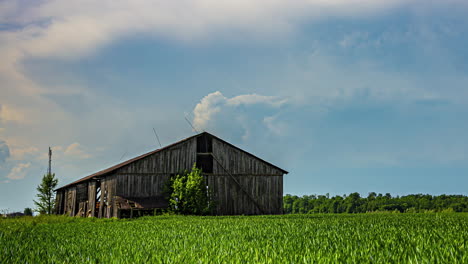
point(241, 183)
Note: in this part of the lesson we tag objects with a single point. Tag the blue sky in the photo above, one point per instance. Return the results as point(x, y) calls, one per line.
point(345, 95)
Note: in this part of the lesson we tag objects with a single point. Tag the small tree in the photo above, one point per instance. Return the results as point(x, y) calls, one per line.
point(46, 195)
point(28, 211)
point(190, 194)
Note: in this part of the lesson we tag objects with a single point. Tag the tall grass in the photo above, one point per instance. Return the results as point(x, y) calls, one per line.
point(362, 238)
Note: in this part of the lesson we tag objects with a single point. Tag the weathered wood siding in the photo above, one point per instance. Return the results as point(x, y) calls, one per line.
point(91, 198)
point(141, 184)
point(172, 160)
point(239, 162)
point(232, 199)
point(70, 201)
point(107, 206)
point(146, 177)
point(59, 202)
point(81, 192)
point(253, 186)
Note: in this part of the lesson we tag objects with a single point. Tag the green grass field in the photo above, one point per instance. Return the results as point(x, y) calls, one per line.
point(360, 238)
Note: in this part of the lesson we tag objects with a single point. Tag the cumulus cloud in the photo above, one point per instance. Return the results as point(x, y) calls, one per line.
point(10, 114)
point(20, 153)
point(208, 106)
point(214, 102)
point(76, 150)
point(19, 171)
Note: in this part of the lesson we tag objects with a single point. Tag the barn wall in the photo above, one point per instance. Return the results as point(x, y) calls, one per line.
point(146, 177)
point(91, 198)
point(256, 191)
point(173, 160)
point(243, 184)
point(70, 201)
point(140, 184)
point(81, 200)
point(238, 162)
point(108, 188)
point(82, 192)
point(59, 202)
point(65, 201)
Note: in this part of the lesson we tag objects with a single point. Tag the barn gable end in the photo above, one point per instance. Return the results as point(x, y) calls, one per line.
point(241, 182)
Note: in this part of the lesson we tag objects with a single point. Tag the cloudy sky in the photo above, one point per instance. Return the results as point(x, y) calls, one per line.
point(347, 95)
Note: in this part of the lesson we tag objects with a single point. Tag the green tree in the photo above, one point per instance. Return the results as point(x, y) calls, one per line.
point(190, 194)
point(46, 196)
point(287, 203)
point(354, 203)
point(28, 211)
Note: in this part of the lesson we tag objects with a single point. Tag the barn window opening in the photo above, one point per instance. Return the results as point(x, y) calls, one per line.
point(205, 163)
point(204, 144)
point(204, 150)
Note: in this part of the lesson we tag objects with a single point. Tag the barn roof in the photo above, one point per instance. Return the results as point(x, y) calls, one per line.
point(122, 164)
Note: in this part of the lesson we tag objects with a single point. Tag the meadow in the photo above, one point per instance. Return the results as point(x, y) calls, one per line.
point(315, 238)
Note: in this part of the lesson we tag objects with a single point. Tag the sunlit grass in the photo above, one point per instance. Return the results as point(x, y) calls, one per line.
point(361, 238)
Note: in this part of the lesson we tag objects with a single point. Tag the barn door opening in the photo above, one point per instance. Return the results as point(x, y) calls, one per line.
point(204, 153)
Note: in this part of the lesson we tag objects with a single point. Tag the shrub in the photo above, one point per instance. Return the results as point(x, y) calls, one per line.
point(190, 194)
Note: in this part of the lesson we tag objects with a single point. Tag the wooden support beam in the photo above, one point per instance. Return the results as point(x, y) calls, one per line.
point(240, 186)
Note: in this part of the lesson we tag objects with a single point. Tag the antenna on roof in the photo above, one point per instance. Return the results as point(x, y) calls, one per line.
point(186, 119)
point(156, 134)
point(123, 155)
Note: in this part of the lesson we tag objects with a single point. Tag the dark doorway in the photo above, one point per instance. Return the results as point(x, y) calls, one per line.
point(204, 144)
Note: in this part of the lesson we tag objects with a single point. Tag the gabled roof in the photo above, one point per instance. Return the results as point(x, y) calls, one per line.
point(122, 164)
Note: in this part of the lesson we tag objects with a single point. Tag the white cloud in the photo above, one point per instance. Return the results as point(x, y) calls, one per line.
point(76, 150)
point(20, 153)
point(19, 171)
point(276, 126)
point(214, 102)
point(248, 99)
point(69, 29)
point(10, 114)
point(208, 106)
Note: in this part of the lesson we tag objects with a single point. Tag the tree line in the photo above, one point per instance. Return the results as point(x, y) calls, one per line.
point(354, 203)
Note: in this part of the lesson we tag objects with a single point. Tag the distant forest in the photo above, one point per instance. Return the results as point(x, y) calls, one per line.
point(354, 203)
